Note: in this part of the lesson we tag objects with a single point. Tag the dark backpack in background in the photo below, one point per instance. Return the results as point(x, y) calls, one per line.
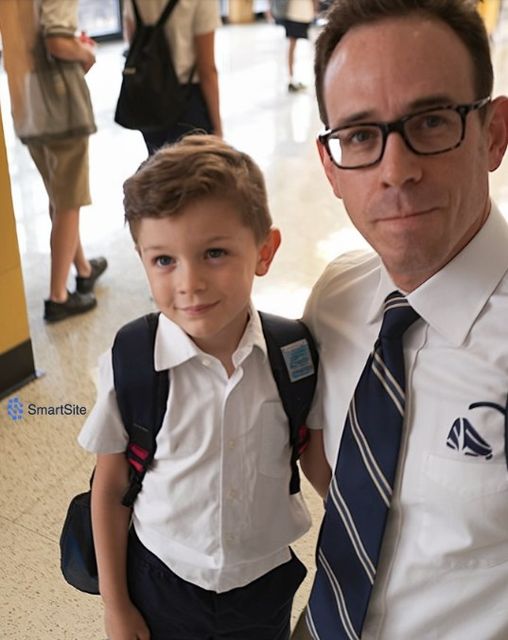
point(142, 395)
point(151, 96)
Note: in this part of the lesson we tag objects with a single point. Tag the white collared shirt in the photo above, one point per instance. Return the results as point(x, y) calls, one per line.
point(215, 507)
point(300, 11)
point(443, 573)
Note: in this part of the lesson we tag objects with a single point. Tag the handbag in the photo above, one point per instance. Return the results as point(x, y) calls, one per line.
point(58, 103)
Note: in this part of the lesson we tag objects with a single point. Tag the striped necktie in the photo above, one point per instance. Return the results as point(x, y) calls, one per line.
point(361, 488)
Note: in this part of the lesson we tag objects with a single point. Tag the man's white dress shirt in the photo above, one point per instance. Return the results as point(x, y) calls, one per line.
point(215, 507)
point(443, 573)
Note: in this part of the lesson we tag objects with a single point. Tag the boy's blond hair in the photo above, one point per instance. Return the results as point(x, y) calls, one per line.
point(194, 168)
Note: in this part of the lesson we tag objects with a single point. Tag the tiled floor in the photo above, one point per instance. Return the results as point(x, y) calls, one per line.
point(41, 465)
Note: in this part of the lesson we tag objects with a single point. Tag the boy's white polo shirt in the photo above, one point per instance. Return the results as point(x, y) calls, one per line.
point(443, 573)
point(215, 507)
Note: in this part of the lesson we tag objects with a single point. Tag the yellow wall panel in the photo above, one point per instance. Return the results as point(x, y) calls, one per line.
point(13, 320)
point(9, 255)
point(15, 344)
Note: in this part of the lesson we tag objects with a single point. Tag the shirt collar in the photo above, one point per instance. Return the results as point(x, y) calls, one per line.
point(452, 299)
point(174, 347)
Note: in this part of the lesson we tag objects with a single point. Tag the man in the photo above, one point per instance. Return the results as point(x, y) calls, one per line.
point(411, 135)
point(45, 62)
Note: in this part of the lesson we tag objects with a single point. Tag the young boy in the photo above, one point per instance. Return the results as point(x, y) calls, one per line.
point(207, 556)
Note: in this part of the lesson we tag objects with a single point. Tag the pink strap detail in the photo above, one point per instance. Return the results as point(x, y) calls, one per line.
point(142, 454)
point(137, 466)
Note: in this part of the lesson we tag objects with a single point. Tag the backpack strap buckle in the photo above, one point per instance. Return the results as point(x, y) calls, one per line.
point(139, 456)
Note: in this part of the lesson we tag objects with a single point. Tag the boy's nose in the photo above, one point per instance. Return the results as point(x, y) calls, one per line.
point(191, 279)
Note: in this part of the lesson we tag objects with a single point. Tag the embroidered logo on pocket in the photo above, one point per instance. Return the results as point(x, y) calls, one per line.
point(464, 438)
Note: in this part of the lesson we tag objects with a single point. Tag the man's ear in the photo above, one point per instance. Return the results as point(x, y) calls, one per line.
point(330, 168)
point(497, 131)
point(267, 251)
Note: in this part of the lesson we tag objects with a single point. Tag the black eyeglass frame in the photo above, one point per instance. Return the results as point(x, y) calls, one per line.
point(397, 126)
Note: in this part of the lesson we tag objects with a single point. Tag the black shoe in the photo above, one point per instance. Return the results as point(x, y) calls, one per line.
point(86, 284)
point(294, 87)
point(75, 303)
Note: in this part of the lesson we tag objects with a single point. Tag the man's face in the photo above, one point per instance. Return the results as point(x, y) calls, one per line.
point(417, 212)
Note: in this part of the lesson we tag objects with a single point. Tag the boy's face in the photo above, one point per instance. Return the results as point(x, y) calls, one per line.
point(201, 265)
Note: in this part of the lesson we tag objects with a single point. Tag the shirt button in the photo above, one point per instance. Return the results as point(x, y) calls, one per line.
point(205, 362)
point(232, 494)
point(231, 444)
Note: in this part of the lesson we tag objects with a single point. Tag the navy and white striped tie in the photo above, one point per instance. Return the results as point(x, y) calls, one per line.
point(361, 488)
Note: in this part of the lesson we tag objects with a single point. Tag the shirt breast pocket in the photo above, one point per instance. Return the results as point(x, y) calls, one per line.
point(465, 513)
point(274, 450)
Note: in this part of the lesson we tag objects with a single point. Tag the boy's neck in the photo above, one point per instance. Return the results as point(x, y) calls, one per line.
point(224, 350)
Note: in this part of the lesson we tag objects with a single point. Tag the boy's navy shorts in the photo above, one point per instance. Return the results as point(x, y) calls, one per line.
point(175, 609)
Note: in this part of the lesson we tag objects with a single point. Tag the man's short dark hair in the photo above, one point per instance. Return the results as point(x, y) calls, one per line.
point(460, 15)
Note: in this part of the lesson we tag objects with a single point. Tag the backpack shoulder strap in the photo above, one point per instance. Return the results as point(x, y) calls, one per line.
point(166, 12)
point(294, 361)
point(141, 394)
point(164, 16)
point(137, 15)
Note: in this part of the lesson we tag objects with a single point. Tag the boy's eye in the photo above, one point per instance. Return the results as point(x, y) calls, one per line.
point(215, 253)
point(164, 261)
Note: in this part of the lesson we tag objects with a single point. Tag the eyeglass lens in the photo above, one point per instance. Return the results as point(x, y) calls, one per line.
point(426, 133)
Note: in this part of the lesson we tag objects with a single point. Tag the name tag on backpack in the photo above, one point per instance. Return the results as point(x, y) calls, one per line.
point(298, 360)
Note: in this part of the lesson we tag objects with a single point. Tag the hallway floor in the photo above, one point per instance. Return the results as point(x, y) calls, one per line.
point(41, 465)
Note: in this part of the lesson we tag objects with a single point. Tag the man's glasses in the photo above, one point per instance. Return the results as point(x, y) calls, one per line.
point(426, 133)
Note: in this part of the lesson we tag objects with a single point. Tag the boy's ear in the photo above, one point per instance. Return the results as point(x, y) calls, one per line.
point(267, 251)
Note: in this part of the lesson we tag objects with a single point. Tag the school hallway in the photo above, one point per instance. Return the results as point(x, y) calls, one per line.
point(41, 464)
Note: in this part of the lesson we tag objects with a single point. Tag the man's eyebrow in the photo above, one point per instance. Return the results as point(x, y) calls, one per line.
point(428, 102)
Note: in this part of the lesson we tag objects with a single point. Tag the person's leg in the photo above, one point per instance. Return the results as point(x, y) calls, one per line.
point(64, 221)
point(63, 243)
point(171, 607)
point(80, 261)
point(70, 191)
point(291, 59)
point(87, 271)
point(294, 31)
point(63, 166)
point(262, 609)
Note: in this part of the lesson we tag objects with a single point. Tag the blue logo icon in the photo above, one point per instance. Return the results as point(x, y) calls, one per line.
point(15, 408)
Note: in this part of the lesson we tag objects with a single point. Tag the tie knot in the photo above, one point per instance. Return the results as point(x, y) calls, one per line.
point(398, 316)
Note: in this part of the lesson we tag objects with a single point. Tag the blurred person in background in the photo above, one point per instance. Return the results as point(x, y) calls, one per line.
point(190, 32)
point(45, 61)
point(299, 16)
